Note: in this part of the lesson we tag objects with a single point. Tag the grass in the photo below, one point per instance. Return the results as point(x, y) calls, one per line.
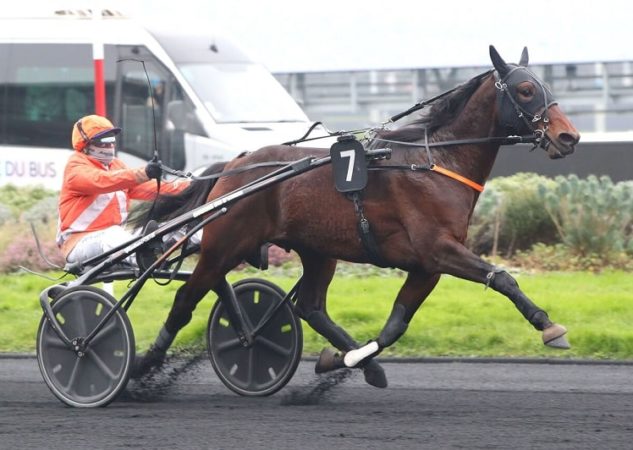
point(458, 319)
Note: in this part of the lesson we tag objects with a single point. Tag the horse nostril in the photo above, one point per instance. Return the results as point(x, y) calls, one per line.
point(569, 139)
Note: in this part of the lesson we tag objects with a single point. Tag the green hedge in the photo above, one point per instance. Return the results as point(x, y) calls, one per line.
point(566, 223)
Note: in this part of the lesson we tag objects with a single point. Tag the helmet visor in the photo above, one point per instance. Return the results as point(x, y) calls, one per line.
point(104, 142)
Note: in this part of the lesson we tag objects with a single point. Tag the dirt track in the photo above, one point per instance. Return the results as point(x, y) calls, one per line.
point(427, 405)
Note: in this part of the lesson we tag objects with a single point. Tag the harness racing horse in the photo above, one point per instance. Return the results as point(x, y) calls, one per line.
point(419, 205)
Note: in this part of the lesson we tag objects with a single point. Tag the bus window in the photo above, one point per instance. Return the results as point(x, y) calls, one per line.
point(4, 68)
point(180, 118)
point(138, 108)
point(173, 113)
point(47, 88)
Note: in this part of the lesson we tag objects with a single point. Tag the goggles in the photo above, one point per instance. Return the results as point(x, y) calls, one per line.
point(104, 142)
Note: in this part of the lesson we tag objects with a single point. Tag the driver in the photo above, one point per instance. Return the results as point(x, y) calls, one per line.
point(96, 191)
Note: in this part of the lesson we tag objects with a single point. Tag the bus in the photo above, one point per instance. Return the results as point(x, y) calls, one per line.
point(210, 100)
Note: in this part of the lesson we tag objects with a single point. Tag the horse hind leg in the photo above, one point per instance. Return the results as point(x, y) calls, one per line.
point(318, 273)
point(414, 291)
point(328, 360)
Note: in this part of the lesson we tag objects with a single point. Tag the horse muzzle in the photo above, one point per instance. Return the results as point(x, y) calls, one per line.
point(562, 145)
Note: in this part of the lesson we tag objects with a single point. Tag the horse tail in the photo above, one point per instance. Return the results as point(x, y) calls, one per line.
point(168, 206)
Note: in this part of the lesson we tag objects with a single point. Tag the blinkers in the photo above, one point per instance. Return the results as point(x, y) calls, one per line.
point(519, 116)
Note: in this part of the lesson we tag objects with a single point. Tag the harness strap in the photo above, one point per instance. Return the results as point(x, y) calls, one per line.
point(435, 168)
point(449, 173)
point(364, 230)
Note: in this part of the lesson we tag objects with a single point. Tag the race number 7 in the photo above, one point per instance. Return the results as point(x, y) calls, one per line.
point(349, 166)
point(351, 154)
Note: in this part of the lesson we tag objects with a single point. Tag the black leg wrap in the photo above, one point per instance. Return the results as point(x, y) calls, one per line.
point(323, 325)
point(155, 356)
point(540, 320)
point(501, 281)
point(394, 328)
point(164, 339)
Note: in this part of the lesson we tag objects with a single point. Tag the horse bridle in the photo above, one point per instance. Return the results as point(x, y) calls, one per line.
point(516, 117)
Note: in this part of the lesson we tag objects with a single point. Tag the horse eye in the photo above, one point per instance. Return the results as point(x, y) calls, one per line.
point(525, 90)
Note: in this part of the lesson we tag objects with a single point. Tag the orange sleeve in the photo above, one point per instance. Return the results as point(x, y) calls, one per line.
point(147, 190)
point(85, 178)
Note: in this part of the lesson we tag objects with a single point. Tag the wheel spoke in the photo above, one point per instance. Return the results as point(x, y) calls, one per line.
point(80, 318)
point(101, 365)
point(273, 346)
point(264, 316)
point(247, 319)
point(51, 340)
point(228, 345)
point(251, 367)
point(73, 375)
point(105, 331)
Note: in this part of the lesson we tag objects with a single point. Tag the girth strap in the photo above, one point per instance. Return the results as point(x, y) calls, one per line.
point(364, 230)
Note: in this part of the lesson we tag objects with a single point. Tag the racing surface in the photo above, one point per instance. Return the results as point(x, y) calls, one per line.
point(428, 405)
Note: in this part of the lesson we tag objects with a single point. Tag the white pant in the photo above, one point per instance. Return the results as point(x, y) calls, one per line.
point(98, 243)
point(102, 241)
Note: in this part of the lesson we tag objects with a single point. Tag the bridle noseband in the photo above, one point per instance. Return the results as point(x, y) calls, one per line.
point(518, 118)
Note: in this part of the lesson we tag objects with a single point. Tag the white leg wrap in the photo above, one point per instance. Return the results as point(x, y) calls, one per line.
point(353, 357)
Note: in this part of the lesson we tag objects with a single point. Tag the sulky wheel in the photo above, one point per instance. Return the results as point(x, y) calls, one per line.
point(268, 364)
point(97, 376)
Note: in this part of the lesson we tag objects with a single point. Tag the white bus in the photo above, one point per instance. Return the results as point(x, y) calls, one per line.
point(211, 100)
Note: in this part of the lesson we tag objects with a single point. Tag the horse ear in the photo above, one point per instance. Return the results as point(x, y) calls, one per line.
point(524, 57)
point(498, 62)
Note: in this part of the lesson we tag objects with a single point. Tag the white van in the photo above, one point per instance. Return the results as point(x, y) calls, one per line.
point(211, 100)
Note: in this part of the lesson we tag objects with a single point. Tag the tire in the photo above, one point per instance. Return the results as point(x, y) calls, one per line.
point(97, 377)
point(271, 361)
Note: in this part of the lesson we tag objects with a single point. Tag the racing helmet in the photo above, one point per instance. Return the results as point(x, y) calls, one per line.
point(91, 128)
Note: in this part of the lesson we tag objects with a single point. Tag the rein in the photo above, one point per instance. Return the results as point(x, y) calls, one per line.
point(507, 140)
point(226, 173)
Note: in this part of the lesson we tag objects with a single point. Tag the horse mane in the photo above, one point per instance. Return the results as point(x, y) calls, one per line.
point(443, 112)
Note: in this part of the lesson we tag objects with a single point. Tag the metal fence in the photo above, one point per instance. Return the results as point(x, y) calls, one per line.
point(597, 96)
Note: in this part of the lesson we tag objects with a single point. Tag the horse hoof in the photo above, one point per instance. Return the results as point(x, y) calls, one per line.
point(375, 375)
point(142, 365)
point(554, 336)
point(328, 360)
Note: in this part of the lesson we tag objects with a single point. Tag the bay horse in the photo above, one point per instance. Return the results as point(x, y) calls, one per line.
point(419, 218)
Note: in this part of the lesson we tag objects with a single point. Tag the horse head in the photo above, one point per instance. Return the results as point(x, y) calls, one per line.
point(526, 105)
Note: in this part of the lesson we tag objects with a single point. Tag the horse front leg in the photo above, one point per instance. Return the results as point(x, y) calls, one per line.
point(413, 292)
point(185, 301)
point(455, 259)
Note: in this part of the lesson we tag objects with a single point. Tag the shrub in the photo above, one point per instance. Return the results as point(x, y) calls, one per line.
point(5, 214)
point(21, 207)
point(20, 199)
point(277, 256)
point(22, 251)
point(592, 216)
point(559, 257)
point(44, 211)
point(510, 216)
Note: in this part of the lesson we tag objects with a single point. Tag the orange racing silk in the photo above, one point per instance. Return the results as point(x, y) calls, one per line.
point(93, 197)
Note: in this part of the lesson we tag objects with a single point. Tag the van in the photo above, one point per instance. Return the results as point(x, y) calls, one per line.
point(210, 100)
